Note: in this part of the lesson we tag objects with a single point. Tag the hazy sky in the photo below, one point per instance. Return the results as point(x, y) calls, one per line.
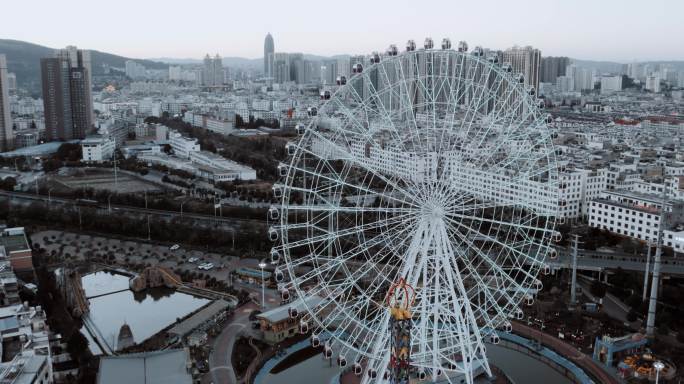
point(621, 30)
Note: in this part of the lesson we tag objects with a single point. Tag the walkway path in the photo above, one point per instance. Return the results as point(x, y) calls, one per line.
point(583, 361)
point(97, 336)
point(221, 367)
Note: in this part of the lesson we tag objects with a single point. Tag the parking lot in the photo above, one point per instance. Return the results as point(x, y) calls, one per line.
point(67, 246)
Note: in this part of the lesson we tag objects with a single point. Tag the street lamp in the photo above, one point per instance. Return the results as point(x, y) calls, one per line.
point(182, 202)
point(262, 265)
point(109, 203)
point(658, 365)
point(149, 237)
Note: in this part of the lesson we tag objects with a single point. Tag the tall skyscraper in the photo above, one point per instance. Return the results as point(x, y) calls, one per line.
point(6, 131)
point(67, 96)
point(212, 73)
point(525, 60)
point(269, 52)
point(552, 68)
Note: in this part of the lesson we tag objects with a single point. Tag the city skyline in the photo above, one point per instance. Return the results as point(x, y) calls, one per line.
point(606, 31)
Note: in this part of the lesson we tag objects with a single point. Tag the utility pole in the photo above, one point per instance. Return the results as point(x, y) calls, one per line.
point(648, 267)
point(655, 283)
point(149, 237)
point(116, 179)
point(573, 287)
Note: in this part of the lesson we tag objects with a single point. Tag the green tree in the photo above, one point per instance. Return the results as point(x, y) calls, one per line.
point(598, 289)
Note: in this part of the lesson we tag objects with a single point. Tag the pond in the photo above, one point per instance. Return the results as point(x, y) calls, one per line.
point(113, 304)
point(522, 369)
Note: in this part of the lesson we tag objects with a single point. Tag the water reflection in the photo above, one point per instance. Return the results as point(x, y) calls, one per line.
point(155, 294)
point(522, 369)
point(146, 312)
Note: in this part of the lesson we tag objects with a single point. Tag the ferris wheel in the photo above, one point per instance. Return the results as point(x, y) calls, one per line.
point(433, 167)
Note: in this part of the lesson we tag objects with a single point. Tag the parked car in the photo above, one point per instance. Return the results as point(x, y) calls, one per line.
point(193, 259)
point(206, 266)
point(174, 247)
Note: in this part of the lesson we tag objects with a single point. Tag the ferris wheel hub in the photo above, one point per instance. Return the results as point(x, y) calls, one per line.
point(433, 168)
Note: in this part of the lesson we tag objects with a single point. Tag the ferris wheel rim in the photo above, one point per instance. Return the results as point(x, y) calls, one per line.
point(312, 129)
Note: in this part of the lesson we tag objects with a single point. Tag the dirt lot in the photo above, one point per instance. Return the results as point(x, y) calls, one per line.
point(103, 179)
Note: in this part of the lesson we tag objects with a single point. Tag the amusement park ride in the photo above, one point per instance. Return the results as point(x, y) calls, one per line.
point(427, 182)
point(400, 299)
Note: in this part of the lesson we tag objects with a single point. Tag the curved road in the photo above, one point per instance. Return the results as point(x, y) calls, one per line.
point(583, 361)
point(221, 367)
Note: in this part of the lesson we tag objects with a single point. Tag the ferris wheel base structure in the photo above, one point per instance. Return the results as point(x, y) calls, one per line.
point(434, 167)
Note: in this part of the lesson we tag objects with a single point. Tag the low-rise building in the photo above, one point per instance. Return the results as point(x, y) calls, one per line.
point(627, 213)
point(182, 146)
point(158, 367)
point(217, 168)
point(25, 340)
point(14, 246)
point(97, 149)
point(278, 324)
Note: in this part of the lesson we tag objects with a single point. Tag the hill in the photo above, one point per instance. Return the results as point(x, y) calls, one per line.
point(23, 59)
point(615, 67)
point(238, 62)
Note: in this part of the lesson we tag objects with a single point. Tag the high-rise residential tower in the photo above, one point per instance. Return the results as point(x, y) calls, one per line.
point(212, 73)
point(552, 68)
point(6, 131)
point(66, 80)
point(525, 60)
point(269, 51)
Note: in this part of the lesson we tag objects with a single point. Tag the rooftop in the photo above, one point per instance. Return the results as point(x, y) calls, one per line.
point(281, 313)
point(14, 239)
point(23, 369)
point(188, 325)
point(159, 367)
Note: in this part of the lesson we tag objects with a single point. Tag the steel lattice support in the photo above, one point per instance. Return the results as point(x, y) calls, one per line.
point(434, 167)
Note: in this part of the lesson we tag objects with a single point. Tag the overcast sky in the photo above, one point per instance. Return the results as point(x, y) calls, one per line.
point(617, 30)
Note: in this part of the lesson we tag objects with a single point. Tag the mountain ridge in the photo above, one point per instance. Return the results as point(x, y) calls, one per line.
point(23, 59)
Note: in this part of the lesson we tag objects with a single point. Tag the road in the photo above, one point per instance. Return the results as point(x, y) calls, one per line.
point(220, 364)
point(568, 351)
point(129, 209)
point(598, 261)
point(221, 367)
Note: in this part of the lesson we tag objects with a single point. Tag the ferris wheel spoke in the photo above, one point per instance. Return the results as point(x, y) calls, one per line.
point(348, 257)
point(354, 186)
point(482, 286)
point(500, 270)
point(361, 165)
point(341, 233)
point(382, 112)
point(517, 226)
point(494, 239)
point(345, 209)
point(434, 167)
point(408, 103)
point(468, 323)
